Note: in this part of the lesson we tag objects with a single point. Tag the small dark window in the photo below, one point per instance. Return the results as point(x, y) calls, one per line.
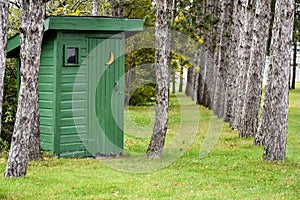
point(72, 55)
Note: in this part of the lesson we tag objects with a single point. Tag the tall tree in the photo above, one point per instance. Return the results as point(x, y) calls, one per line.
point(25, 140)
point(155, 148)
point(273, 125)
point(3, 43)
point(190, 81)
point(96, 8)
point(173, 13)
point(255, 72)
point(232, 71)
point(180, 78)
point(244, 55)
point(203, 7)
point(225, 31)
point(240, 65)
point(216, 13)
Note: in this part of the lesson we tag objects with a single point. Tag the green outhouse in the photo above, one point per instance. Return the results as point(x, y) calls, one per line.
point(81, 97)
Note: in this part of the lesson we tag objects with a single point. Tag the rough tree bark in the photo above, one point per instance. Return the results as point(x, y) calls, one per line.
point(232, 71)
point(219, 97)
point(201, 79)
point(25, 140)
point(96, 8)
point(155, 148)
point(255, 72)
point(190, 81)
point(173, 13)
point(3, 43)
point(241, 67)
point(195, 83)
point(273, 125)
point(181, 79)
point(210, 38)
point(294, 66)
point(216, 44)
point(245, 62)
point(202, 7)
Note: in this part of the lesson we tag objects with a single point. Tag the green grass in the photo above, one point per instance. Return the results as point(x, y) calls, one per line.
point(232, 170)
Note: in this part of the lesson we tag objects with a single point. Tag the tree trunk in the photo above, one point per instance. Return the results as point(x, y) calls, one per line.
point(216, 44)
point(219, 97)
point(294, 66)
point(25, 139)
point(195, 82)
point(274, 118)
point(241, 65)
point(96, 8)
point(3, 43)
point(210, 48)
point(255, 72)
point(232, 71)
point(181, 79)
point(173, 13)
point(173, 81)
point(189, 81)
point(155, 148)
point(201, 79)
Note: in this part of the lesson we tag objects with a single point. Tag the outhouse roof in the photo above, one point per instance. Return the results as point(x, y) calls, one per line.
point(84, 23)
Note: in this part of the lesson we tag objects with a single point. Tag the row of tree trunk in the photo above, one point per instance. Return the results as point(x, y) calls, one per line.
point(230, 81)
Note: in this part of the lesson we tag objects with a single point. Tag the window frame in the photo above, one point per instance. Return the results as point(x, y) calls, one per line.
point(66, 64)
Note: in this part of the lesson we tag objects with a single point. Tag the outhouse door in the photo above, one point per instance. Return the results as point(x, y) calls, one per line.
point(106, 99)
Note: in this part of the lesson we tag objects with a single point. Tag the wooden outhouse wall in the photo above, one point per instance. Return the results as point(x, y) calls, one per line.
point(47, 92)
point(66, 95)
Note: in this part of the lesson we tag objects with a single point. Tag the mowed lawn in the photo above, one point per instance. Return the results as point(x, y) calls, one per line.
point(201, 161)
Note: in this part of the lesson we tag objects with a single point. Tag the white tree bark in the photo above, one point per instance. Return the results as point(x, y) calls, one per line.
point(255, 72)
point(25, 140)
point(274, 119)
point(223, 58)
point(96, 8)
point(3, 43)
point(155, 148)
point(232, 67)
point(241, 64)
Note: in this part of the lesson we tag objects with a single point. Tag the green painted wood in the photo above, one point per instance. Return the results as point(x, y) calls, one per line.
point(93, 24)
point(74, 138)
point(13, 45)
point(73, 154)
point(47, 130)
point(46, 94)
point(45, 138)
point(108, 98)
point(57, 56)
point(72, 130)
point(72, 146)
point(73, 98)
point(47, 87)
point(46, 146)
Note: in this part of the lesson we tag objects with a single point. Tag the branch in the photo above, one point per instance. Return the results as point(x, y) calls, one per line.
point(75, 5)
point(15, 3)
point(129, 13)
